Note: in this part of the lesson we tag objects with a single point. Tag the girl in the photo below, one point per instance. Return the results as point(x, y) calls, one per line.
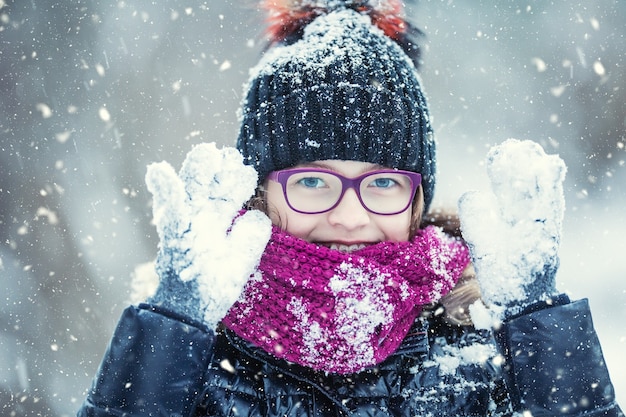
point(339, 297)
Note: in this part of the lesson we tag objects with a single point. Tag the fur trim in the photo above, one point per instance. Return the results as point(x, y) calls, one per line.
point(457, 302)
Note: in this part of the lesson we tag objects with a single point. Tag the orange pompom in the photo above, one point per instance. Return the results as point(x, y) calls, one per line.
point(289, 17)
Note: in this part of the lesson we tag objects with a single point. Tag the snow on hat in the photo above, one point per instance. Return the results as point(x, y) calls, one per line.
point(339, 82)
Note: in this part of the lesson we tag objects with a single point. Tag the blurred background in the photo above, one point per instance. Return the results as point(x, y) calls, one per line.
point(92, 91)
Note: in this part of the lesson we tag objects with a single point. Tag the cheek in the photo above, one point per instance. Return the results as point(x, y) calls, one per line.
point(296, 224)
point(300, 225)
point(397, 227)
point(281, 215)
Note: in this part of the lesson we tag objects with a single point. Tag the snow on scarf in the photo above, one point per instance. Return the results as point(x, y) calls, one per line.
point(342, 312)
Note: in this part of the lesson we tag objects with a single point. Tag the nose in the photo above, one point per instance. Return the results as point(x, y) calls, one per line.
point(349, 213)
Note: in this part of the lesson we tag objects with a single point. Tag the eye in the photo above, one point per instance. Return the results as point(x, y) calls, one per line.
point(311, 182)
point(383, 183)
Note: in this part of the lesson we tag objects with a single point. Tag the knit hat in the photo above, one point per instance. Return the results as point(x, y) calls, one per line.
point(335, 85)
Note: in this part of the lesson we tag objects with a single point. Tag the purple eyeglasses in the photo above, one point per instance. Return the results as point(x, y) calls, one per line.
point(314, 191)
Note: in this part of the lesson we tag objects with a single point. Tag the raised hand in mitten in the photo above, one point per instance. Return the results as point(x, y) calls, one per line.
point(513, 232)
point(206, 252)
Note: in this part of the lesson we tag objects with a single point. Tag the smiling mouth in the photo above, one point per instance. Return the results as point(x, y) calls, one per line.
point(346, 248)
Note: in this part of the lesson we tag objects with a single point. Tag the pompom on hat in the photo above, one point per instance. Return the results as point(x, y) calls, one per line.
point(339, 81)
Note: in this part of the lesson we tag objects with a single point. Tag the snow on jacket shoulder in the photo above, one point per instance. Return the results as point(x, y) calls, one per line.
point(159, 364)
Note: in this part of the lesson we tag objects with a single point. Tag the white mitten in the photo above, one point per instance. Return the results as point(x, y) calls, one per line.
point(205, 258)
point(514, 231)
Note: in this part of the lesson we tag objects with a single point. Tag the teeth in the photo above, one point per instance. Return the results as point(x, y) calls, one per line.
point(346, 248)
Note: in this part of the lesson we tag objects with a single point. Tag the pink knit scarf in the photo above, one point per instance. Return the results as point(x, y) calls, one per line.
point(342, 312)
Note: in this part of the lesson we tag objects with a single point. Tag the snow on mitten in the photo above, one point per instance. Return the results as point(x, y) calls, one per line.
point(514, 231)
point(204, 257)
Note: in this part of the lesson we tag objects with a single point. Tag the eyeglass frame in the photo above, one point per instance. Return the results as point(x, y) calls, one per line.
point(282, 176)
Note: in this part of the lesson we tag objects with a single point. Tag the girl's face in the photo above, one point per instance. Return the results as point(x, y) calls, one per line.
point(346, 227)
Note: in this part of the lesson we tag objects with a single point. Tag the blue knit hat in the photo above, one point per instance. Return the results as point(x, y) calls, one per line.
point(338, 89)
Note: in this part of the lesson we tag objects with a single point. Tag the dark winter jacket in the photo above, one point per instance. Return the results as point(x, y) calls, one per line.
point(160, 364)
